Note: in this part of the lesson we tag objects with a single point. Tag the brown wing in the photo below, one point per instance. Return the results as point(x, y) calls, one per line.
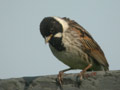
point(89, 45)
point(93, 50)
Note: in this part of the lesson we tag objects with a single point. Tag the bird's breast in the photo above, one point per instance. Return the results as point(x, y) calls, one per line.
point(72, 56)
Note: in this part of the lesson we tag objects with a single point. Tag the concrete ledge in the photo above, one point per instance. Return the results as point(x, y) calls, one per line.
point(109, 80)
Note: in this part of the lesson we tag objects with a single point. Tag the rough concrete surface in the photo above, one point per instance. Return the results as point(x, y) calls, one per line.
point(109, 80)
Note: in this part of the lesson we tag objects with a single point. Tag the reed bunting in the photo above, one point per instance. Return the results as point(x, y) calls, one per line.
point(72, 45)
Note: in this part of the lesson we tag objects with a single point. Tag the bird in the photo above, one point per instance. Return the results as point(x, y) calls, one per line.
point(73, 45)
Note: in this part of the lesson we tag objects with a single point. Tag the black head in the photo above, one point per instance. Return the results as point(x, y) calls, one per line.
point(51, 29)
point(50, 26)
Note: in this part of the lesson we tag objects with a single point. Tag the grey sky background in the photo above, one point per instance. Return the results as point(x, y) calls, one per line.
point(22, 48)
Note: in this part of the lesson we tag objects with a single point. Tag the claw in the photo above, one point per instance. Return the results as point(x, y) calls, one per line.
point(93, 74)
point(81, 75)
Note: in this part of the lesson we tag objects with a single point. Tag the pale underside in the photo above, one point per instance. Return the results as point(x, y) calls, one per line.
point(71, 59)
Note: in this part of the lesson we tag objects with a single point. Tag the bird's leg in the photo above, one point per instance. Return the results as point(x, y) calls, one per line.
point(83, 71)
point(60, 79)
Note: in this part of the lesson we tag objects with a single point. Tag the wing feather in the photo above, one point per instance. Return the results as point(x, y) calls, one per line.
point(90, 46)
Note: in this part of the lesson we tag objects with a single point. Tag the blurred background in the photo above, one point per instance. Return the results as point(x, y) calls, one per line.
point(22, 48)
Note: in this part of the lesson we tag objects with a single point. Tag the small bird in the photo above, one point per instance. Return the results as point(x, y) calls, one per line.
point(72, 45)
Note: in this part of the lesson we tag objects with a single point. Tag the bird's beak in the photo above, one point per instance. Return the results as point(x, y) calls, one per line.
point(47, 39)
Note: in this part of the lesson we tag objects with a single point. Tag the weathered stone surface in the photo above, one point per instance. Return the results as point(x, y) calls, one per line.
point(102, 81)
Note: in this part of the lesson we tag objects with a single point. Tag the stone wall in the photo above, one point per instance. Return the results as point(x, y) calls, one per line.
point(109, 80)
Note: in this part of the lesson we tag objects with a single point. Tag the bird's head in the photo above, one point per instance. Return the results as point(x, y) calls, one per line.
point(52, 28)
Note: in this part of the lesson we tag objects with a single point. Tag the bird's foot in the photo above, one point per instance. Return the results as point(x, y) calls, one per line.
point(89, 74)
point(60, 77)
point(79, 78)
point(83, 75)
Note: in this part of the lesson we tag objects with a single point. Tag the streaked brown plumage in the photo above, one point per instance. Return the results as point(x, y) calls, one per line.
point(73, 45)
point(89, 45)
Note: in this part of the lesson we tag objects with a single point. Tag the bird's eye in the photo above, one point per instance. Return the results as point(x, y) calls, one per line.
point(51, 30)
